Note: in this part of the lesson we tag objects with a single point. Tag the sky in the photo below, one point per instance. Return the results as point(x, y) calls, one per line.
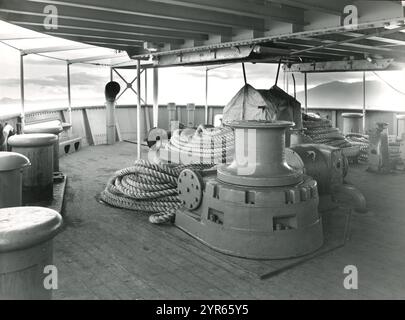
point(46, 82)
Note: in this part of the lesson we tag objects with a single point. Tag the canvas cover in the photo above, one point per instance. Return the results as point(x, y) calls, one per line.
point(272, 104)
point(249, 104)
point(288, 108)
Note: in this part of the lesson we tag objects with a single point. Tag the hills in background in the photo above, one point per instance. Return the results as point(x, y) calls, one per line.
point(350, 95)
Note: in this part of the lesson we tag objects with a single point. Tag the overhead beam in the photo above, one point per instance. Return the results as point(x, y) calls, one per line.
point(97, 33)
point(398, 36)
point(330, 7)
point(287, 48)
point(312, 42)
point(32, 9)
point(106, 43)
point(28, 19)
point(96, 58)
point(387, 40)
point(351, 40)
point(340, 66)
point(371, 41)
point(244, 8)
point(366, 49)
point(208, 56)
point(55, 49)
point(158, 10)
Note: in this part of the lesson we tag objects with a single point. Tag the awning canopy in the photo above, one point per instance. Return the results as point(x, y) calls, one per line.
point(183, 32)
point(34, 43)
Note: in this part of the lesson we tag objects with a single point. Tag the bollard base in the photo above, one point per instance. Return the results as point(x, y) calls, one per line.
point(22, 273)
point(32, 195)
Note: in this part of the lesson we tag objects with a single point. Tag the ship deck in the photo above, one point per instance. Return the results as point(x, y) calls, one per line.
point(109, 253)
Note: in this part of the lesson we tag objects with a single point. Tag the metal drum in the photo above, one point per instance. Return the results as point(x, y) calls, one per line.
point(352, 123)
point(11, 170)
point(265, 165)
point(26, 250)
point(52, 127)
point(37, 179)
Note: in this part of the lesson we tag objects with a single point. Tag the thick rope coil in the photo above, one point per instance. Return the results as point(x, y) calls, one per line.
point(147, 187)
point(321, 131)
point(361, 141)
point(205, 145)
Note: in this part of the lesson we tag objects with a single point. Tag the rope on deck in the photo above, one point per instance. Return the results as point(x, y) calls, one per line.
point(147, 187)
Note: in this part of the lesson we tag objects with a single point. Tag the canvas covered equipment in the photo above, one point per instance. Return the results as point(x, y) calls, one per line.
point(249, 104)
point(288, 108)
point(273, 104)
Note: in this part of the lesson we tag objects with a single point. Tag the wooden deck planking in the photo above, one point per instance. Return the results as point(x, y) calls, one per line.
point(109, 253)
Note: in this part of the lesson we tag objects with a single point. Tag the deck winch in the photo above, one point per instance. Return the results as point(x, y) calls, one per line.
point(256, 207)
point(328, 166)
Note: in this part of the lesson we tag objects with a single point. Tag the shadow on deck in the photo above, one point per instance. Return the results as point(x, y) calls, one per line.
point(108, 253)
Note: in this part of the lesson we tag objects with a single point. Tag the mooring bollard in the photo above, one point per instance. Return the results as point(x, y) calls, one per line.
point(11, 170)
point(37, 179)
point(26, 252)
point(52, 127)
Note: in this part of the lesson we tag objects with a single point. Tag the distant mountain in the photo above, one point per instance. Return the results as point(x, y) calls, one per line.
point(350, 95)
point(7, 100)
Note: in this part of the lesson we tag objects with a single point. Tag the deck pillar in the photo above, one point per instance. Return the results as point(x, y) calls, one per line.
point(146, 108)
point(206, 96)
point(139, 126)
point(155, 96)
point(306, 92)
point(364, 102)
point(22, 92)
point(69, 94)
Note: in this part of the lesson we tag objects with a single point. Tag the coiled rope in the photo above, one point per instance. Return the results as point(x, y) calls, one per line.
point(205, 145)
point(147, 187)
point(361, 141)
point(321, 131)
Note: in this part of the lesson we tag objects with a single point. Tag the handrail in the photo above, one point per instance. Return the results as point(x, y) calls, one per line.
point(12, 115)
